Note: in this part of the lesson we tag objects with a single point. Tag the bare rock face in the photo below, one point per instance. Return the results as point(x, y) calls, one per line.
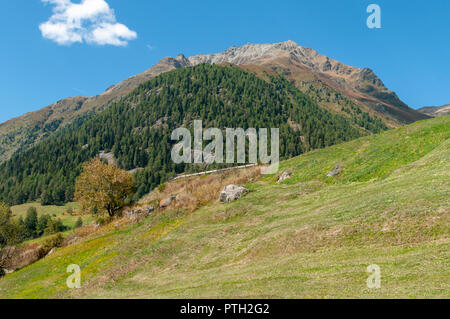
point(149, 210)
point(310, 59)
point(435, 110)
point(139, 211)
point(166, 202)
point(334, 172)
point(284, 176)
point(232, 192)
point(251, 52)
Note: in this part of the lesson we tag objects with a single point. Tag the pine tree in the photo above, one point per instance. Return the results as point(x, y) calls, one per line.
point(31, 222)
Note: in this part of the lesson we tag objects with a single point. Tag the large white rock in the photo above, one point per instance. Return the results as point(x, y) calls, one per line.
point(284, 176)
point(232, 192)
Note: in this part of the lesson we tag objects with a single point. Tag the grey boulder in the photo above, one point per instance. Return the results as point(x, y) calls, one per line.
point(334, 172)
point(232, 192)
point(166, 202)
point(284, 176)
point(149, 210)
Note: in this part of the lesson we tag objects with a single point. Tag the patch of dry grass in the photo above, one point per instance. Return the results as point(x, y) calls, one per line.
point(194, 192)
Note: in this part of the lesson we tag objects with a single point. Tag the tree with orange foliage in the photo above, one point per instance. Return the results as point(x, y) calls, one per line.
point(103, 187)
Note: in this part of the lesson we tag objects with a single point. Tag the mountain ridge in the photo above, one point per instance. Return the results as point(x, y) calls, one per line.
point(435, 110)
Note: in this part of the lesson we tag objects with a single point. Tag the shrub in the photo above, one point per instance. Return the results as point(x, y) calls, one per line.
point(56, 241)
point(11, 232)
point(78, 223)
point(102, 220)
point(42, 223)
point(54, 226)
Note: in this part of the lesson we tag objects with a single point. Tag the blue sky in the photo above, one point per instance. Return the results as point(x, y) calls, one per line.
point(410, 52)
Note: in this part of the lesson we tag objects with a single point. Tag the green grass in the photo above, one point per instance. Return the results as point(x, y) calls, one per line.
point(310, 237)
point(53, 211)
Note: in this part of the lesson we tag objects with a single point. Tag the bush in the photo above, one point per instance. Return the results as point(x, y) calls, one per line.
point(78, 223)
point(54, 226)
point(56, 241)
point(6, 255)
point(42, 223)
point(11, 232)
point(102, 220)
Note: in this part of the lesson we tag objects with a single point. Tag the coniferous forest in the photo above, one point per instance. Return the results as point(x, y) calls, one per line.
point(137, 130)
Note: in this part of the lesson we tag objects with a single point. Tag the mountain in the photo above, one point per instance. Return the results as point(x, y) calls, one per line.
point(310, 70)
point(311, 236)
point(20, 133)
point(435, 110)
point(336, 86)
point(137, 129)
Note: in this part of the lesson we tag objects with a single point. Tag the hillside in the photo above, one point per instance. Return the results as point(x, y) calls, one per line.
point(435, 110)
point(23, 132)
point(311, 236)
point(333, 85)
point(137, 129)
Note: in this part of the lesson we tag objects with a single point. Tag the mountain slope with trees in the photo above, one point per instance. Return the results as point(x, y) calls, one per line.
point(137, 129)
point(331, 84)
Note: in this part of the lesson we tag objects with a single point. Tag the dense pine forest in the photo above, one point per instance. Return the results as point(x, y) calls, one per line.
point(137, 130)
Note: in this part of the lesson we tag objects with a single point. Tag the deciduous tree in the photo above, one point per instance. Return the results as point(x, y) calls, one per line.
point(103, 187)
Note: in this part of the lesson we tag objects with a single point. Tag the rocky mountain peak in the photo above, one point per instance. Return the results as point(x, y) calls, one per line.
point(247, 53)
point(301, 65)
point(266, 53)
point(292, 60)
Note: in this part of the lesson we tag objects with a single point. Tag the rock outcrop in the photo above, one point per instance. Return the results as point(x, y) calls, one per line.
point(232, 192)
point(148, 210)
point(435, 110)
point(166, 202)
point(335, 172)
point(284, 176)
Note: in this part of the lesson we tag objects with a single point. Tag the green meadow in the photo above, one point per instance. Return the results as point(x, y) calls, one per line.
point(53, 211)
point(311, 236)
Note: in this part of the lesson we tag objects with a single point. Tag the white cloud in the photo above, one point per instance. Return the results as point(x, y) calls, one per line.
point(90, 21)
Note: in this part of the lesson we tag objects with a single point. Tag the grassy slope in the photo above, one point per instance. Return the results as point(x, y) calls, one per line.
point(312, 236)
